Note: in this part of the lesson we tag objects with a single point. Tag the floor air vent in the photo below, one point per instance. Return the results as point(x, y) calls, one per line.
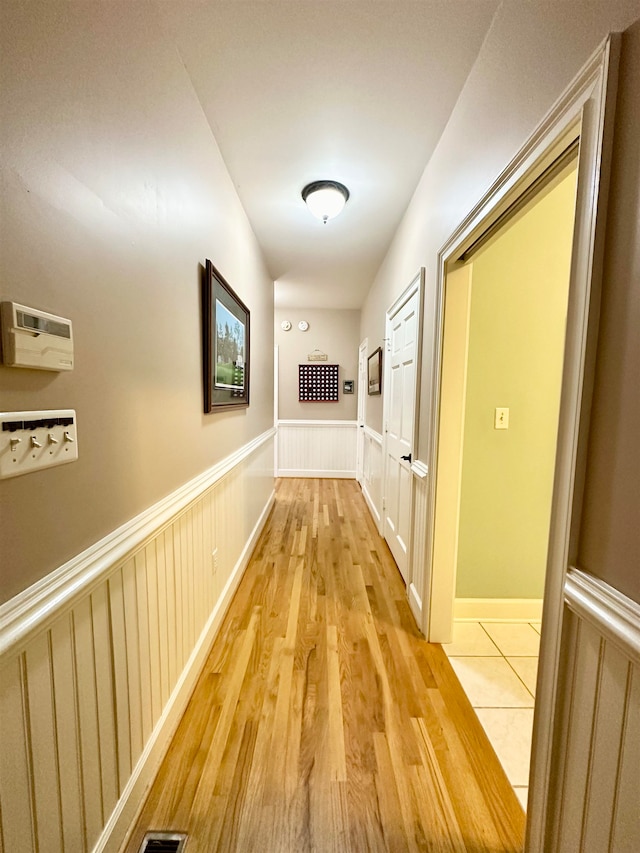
point(163, 842)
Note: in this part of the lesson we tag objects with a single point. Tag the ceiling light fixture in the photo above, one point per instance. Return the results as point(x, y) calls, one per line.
point(325, 199)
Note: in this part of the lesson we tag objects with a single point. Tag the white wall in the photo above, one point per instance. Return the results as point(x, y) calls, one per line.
point(530, 55)
point(113, 194)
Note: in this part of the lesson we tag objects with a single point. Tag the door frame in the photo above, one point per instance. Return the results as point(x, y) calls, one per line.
point(276, 403)
point(417, 285)
point(363, 351)
point(585, 111)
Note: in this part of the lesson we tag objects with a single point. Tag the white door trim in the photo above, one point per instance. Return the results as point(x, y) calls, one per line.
point(584, 111)
point(416, 286)
point(363, 351)
point(276, 402)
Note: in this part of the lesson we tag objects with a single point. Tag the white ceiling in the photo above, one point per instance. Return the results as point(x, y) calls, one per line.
point(357, 91)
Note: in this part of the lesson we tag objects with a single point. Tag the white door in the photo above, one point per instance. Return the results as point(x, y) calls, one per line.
point(362, 398)
point(403, 331)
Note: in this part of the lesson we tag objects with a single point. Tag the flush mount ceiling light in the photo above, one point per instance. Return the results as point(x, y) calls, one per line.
point(325, 199)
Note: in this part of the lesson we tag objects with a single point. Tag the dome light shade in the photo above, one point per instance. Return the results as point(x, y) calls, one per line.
point(325, 199)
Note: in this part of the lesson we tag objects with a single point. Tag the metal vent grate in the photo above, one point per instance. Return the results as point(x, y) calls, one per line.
point(163, 842)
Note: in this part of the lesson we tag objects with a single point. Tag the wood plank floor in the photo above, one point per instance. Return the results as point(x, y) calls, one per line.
point(322, 721)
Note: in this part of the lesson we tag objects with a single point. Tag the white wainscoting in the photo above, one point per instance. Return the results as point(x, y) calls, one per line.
point(419, 543)
point(317, 449)
point(372, 474)
point(595, 805)
point(98, 660)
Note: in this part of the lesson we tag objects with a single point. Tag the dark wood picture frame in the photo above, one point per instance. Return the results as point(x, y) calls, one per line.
point(226, 339)
point(374, 372)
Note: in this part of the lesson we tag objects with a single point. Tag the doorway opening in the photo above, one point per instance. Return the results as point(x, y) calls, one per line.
point(503, 351)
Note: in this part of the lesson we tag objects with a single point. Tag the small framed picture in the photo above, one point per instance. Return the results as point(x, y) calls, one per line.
point(347, 386)
point(374, 372)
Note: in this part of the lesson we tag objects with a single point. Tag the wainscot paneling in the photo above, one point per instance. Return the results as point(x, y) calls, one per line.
point(98, 660)
point(317, 449)
point(595, 805)
point(372, 473)
point(417, 576)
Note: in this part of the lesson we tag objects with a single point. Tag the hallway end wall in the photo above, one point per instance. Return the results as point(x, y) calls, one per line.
point(335, 333)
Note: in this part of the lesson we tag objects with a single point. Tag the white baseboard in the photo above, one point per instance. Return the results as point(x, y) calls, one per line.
point(498, 609)
point(122, 820)
point(373, 509)
point(320, 474)
point(415, 603)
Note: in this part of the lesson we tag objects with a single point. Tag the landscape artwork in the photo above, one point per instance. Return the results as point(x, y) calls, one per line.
point(225, 344)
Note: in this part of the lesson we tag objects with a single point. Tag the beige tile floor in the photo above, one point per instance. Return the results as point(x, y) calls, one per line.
point(497, 664)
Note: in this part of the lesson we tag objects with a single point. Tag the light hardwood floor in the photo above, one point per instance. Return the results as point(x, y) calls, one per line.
point(322, 721)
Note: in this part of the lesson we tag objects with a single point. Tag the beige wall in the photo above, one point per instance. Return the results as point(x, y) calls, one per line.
point(516, 344)
point(610, 543)
point(114, 193)
point(530, 55)
point(336, 334)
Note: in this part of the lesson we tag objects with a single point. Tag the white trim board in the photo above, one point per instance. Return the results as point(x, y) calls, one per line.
point(615, 615)
point(372, 434)
point(371, 474)
point(317, 473)
point(316, 423)
point(32, 609)
point(497, 609)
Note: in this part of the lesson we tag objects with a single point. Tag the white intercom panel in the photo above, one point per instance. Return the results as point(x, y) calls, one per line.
point(35, 339)
point(30, 441)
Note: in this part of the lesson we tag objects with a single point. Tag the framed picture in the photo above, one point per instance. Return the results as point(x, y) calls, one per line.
point(318, 383)
point(347, 386)
point(225, 344)
point(374, 372)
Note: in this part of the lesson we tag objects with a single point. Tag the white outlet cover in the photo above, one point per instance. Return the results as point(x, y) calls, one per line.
point(501, 420)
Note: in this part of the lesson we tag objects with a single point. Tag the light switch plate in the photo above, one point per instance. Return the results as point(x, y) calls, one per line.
point(30, 441)
point(501, 420)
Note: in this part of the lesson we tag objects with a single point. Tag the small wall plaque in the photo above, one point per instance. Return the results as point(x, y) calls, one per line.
point(317, 355)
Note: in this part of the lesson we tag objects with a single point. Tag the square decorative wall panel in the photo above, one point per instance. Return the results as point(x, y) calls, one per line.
point(318, 383)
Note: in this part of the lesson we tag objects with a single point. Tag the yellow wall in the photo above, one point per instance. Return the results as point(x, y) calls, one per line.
point(518, 314)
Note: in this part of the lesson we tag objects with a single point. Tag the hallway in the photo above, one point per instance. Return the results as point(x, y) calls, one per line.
point(322, 721)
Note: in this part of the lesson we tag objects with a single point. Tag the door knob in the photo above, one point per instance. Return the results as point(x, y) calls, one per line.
point(407, 457)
